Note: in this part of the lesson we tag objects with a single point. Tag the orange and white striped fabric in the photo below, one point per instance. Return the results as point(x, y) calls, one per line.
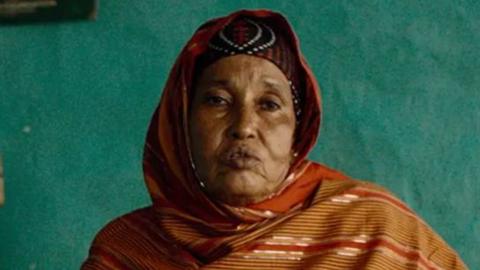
point(348, 225)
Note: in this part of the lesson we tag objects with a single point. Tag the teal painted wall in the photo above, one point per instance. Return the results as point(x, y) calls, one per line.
point(401, 94)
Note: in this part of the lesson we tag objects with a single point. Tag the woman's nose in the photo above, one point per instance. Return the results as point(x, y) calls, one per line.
point(243, 125)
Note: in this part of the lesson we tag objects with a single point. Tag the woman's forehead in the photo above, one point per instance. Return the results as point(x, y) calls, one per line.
point(243, 69)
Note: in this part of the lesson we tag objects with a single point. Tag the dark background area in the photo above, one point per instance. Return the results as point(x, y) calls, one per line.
point(60, 11)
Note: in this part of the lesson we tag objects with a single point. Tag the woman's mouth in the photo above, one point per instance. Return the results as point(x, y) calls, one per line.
point(240, 158)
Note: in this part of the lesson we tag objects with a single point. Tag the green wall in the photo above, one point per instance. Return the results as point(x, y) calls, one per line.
point(401, 94)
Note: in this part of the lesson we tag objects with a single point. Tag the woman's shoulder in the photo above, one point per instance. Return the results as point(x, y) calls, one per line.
point(126, 224)
point(384, 222)
point(337, 184)
point(368, 205)
point(131, 241)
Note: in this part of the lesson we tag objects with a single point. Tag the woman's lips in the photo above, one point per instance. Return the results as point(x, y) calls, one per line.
point(241, 163)
point(240, 158)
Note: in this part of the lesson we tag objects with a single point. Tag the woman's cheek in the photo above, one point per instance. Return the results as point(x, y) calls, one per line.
point(211, 139)
point(280, 141)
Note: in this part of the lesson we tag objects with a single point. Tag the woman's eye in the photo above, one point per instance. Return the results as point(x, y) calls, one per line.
point(216, 101)
point(269, 105)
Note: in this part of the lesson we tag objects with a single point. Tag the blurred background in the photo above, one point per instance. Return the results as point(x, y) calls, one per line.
point(401, 97)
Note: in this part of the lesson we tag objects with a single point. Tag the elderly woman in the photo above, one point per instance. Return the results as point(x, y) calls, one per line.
point(225, 164)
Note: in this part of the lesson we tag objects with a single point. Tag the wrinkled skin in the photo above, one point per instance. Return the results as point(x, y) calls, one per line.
point(241, 127)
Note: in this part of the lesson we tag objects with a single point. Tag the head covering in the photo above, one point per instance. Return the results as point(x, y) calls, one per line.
point(319, 219)
point(167, 159)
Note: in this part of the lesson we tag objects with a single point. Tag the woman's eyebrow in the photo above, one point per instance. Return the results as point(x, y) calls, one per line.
point(274, 83)
point(276, 86)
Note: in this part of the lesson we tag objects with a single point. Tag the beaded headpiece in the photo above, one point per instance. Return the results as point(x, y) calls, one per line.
point(253, 37)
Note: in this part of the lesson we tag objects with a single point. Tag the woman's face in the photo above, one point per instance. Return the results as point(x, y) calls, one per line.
point(242, 124)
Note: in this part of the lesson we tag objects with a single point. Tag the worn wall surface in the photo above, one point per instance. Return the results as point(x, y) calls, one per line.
point(401, 95)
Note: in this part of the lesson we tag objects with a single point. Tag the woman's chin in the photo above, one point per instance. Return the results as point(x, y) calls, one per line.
point(240, 188)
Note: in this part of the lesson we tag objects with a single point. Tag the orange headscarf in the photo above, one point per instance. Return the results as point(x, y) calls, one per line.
point(168, 167)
